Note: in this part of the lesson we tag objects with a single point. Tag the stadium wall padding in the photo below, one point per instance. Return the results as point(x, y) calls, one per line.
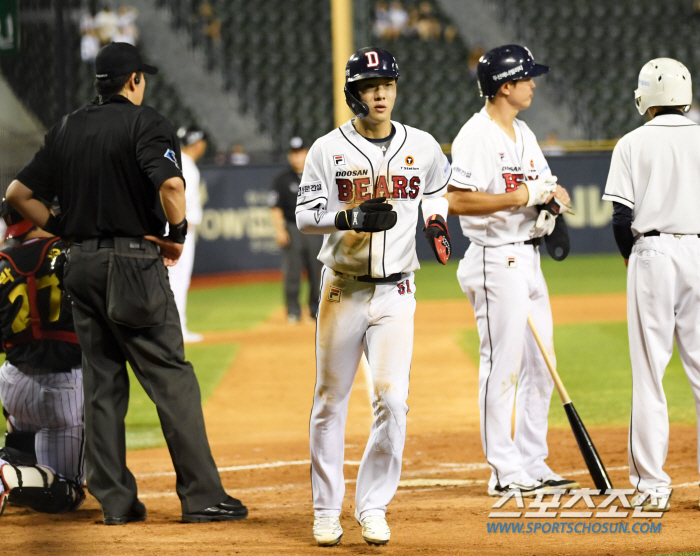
point(236, 233)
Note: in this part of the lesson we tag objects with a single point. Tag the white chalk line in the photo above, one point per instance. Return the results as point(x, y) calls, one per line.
point(269, 465)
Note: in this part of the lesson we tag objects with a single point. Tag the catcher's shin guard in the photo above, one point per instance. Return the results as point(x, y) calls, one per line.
point(39, 488)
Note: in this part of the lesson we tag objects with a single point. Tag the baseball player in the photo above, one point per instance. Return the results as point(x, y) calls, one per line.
point(193, 145)
point(362, 186)
point(653, 186)
point(499, 176)
point(41, 384)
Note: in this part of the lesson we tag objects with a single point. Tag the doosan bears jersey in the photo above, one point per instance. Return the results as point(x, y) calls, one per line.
point(485, 159)
point(343, 169)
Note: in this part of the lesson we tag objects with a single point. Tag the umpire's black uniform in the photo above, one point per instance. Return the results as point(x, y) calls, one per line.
point(106, 163)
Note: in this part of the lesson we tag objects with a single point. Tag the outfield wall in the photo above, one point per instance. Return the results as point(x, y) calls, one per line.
point(236, 233)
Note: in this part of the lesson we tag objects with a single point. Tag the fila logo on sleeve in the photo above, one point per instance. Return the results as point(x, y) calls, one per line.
point(339, 159)
point(372, 59)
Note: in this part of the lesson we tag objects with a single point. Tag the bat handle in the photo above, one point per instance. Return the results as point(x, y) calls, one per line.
point(563, 394)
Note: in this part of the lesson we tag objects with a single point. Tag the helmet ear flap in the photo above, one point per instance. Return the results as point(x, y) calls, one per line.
point(359, 108)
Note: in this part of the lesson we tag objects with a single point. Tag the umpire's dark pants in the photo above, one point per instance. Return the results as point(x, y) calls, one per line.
point(108, 284)
point(301, 253)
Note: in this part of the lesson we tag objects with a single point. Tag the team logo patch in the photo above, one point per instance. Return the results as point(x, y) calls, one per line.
point(511, 262)
point(334, 294)
point(339, 159)
point(532, 164)
point(170, 155)
point(410, 160)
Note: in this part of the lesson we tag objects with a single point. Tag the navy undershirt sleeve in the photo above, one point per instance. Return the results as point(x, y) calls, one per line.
point(622, 228)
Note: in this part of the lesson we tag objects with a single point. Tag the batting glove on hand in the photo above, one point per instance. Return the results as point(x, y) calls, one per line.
point(374, 215)
point(438, 237)
point(555, 207)
point(544, 224)
point(538, 190)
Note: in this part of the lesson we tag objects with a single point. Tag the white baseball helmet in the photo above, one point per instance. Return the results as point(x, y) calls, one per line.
point(663, 82)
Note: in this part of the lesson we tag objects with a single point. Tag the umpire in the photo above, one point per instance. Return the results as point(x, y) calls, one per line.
point(300, 251)
point(115, 167)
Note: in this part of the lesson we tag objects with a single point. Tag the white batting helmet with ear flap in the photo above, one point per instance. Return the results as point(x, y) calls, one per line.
point(663, 82)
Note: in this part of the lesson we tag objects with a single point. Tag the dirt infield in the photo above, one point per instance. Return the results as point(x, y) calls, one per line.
point(258, 427)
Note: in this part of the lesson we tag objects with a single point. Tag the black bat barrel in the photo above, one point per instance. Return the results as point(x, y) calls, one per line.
point(588, 451)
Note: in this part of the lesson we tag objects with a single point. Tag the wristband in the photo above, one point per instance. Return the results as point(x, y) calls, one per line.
point(342, 221)
point(53, 225)
point(178, 232)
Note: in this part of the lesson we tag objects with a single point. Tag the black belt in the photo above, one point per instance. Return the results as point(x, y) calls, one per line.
point(654, 233)
point(397, 276)
point(536, 241)
point(105, 242)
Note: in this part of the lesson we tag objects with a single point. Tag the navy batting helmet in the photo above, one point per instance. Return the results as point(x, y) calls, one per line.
point(506, 63)
point(367, 63)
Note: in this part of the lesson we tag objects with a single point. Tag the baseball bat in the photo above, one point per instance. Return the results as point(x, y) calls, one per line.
point(585, 444)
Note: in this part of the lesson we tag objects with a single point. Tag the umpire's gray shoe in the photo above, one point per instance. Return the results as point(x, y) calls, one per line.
point(136, 513)
point(228, 510)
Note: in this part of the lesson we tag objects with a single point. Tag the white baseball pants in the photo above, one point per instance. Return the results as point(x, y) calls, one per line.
point(180, 277)
point(504, 284)
point(663, 301)
point(377, 319)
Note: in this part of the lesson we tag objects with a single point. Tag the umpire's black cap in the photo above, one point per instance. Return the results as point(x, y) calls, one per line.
point(120, 58)
point(297, 143)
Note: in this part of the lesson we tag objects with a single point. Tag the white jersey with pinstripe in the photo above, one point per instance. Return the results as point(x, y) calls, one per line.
point(342, 170)
point(501, 276)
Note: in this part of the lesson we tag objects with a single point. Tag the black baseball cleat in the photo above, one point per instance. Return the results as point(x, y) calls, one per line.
point(554, 481)
point(228, 510)
point(136, 513)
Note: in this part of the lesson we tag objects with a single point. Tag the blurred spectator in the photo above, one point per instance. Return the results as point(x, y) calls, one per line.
point(450, 33)
point(411, 28)
point(89, 41)
point(381, 23)
point(126, 30)
point(398, 19)
point(696, 7)
point(551, 145)
point(428, 25)
point(220, 158)
point(107, 24)
point(473, 58)
point(238, 155)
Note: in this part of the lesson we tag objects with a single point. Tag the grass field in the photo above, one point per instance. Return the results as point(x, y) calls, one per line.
point(599, 380)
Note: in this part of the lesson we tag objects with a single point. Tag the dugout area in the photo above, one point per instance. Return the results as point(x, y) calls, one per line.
point(257, 375)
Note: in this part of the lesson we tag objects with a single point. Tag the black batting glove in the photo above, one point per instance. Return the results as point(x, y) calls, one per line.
point(374, 215)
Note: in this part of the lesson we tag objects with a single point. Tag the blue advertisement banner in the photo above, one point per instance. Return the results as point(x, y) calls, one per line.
point(237, 234)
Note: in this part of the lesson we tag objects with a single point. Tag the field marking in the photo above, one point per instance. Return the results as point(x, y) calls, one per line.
point(440, 482)
point(242, 467)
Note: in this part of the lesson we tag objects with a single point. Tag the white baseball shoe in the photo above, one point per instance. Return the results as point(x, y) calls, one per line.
point(552, 480)
point(652, 500)
point(327, 531)
point(375, 530)
point(527, 487)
